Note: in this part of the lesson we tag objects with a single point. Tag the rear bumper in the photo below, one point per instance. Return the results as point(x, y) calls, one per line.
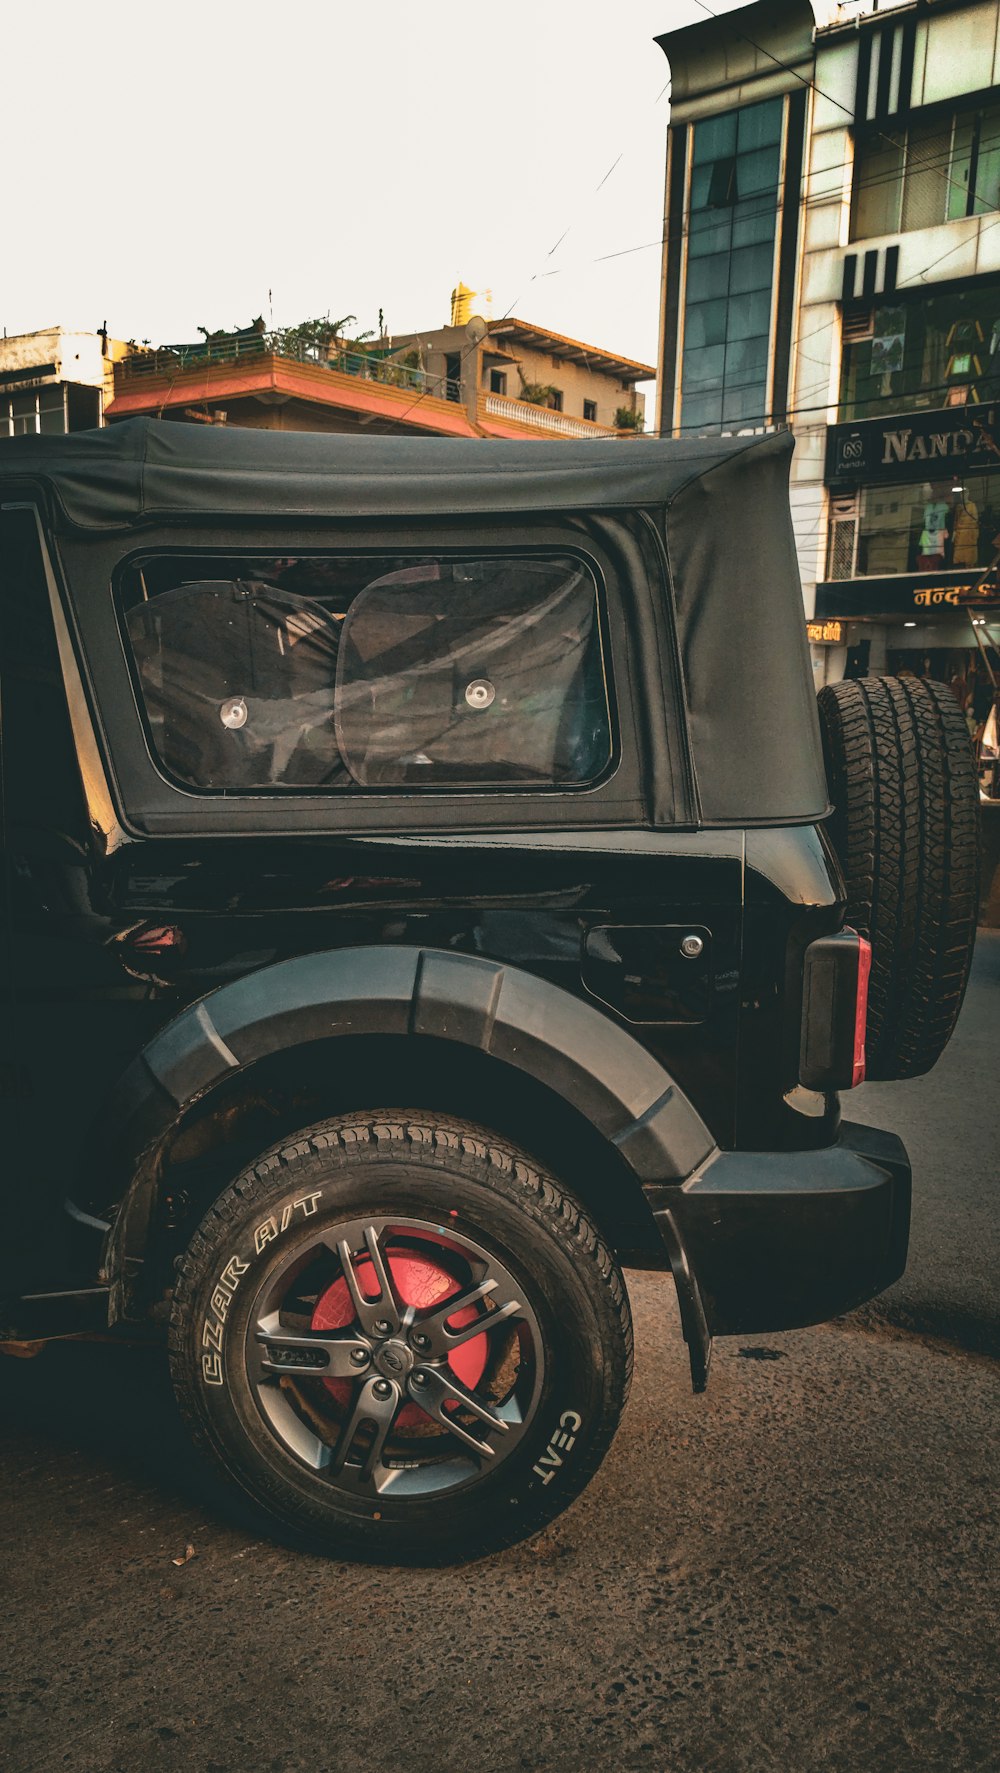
point(775, 1240)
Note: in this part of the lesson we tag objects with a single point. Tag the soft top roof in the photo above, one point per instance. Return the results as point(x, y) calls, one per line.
point(147, 469)
point(719, 505)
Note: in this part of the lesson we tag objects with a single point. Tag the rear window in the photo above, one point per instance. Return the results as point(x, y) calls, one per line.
point(347, 672)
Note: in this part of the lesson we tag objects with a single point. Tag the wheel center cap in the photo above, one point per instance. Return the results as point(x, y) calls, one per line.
point(394, 1359)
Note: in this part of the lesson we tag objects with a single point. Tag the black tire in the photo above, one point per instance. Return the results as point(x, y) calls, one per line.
point(905, 827)
point(440, 1198)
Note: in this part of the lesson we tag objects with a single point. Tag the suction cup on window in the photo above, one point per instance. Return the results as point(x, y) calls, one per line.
point(233, 713)
point(480, 693)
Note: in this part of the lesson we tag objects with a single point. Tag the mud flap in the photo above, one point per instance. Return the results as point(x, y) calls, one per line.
point(694, 1323)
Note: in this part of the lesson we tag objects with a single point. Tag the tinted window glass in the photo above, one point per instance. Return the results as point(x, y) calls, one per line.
point(732, 226)
point(349, 672)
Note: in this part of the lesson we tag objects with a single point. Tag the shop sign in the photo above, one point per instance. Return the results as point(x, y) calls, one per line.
point(915, 594)
point(913, 446)
point(828, 633)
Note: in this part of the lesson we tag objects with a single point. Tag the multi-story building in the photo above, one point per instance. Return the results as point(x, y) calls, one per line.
point(899, 327)
point(483, 378)
point(55, 380)
point(516, 379)
point(832, 261)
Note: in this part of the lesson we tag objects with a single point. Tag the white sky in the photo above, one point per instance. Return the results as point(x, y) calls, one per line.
point(182, 160)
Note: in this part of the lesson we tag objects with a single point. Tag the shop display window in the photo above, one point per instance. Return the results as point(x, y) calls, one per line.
point(927, 526)
point(936, 351)
point(736, 166)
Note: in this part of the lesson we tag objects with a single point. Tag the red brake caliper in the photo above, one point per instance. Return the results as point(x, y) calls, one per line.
point(421, 1282)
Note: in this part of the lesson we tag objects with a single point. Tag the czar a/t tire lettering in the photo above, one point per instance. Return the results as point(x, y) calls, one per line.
point(401, 1340)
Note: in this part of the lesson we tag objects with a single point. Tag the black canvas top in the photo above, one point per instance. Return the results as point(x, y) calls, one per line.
point(147, 469)
point(720, 506)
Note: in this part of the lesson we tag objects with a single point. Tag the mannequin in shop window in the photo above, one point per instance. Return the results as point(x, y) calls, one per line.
point(965, 532)
point(933, 544)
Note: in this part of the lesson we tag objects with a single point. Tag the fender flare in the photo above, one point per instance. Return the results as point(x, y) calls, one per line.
point(567, 1044)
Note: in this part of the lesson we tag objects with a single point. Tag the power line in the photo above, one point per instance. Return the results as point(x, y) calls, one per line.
point(804, 81)
point(473, 344)
point(686, 231)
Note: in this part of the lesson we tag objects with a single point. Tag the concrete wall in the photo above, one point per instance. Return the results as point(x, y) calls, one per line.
point(576, 383)
point(76, 355)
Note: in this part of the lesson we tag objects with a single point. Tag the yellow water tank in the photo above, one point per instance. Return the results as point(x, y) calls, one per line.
point(462, 299)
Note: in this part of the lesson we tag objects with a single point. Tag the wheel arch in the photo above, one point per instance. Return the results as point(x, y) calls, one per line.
point(425, 1029)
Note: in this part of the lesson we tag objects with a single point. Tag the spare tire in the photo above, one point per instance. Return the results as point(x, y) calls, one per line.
point(905, 825)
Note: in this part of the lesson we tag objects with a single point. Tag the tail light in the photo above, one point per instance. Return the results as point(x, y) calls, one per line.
point(836, 971)
point(163, 938)
point(861, 1006)
point(153, 952)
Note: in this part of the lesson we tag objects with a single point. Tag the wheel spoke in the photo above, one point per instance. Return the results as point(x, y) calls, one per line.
point(380, 1412)
point(435, 1326)
point(441, 1388)
point(386, 1308)
point(329, 1355)
point(395, 1350)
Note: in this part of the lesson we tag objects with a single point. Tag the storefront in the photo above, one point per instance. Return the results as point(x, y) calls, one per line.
point(921, 350)
point(914, 533)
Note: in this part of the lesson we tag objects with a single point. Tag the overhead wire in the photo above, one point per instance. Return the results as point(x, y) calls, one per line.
point(473, 344)
point(937, 165)
point(805, 80)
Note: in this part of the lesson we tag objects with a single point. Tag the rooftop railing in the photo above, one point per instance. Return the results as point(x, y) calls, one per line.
point(526, 412)
point(375, 365)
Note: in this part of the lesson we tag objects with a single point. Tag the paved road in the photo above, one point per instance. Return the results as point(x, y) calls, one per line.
point(797, 1572)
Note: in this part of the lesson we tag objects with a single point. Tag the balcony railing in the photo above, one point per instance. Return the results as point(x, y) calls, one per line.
point(369, 366)
point(525, 412)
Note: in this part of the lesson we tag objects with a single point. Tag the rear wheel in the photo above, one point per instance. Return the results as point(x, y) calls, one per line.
point(905, 827)
point(401, 1340)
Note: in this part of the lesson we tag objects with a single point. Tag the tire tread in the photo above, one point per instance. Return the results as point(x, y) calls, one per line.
point(905, 827)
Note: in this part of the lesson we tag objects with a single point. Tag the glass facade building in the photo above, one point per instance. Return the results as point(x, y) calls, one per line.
point(732, 228)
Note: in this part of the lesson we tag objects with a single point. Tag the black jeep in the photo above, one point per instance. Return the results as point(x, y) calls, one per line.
point(422, 896)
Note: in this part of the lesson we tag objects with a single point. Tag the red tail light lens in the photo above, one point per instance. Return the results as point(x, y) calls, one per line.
point(861, 1009)
point(164, 938)
point(835, 976)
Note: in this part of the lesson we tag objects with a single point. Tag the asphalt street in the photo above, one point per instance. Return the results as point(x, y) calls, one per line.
point(799, 1571)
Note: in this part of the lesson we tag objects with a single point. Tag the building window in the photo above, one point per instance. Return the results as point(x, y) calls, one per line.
point(498, 381)
point(590, 411)
point(453, 375)
point(941, 350)
point(554, 400)
point(32, 411)
point(736, 165)
point(83, 407)
point(349, 673)
point(936, 171)
point(928, 526)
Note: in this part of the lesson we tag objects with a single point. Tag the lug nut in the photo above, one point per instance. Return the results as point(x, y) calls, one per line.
point(359, 1357)
point(419, 1340)
point(382, 1326)
point(382, 1389)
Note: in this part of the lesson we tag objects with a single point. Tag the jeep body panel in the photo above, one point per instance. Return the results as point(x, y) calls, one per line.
point(635, 950)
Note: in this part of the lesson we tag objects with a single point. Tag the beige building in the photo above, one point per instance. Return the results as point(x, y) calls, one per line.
point(56, 380)
point(476, 378)
point(514, 378)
